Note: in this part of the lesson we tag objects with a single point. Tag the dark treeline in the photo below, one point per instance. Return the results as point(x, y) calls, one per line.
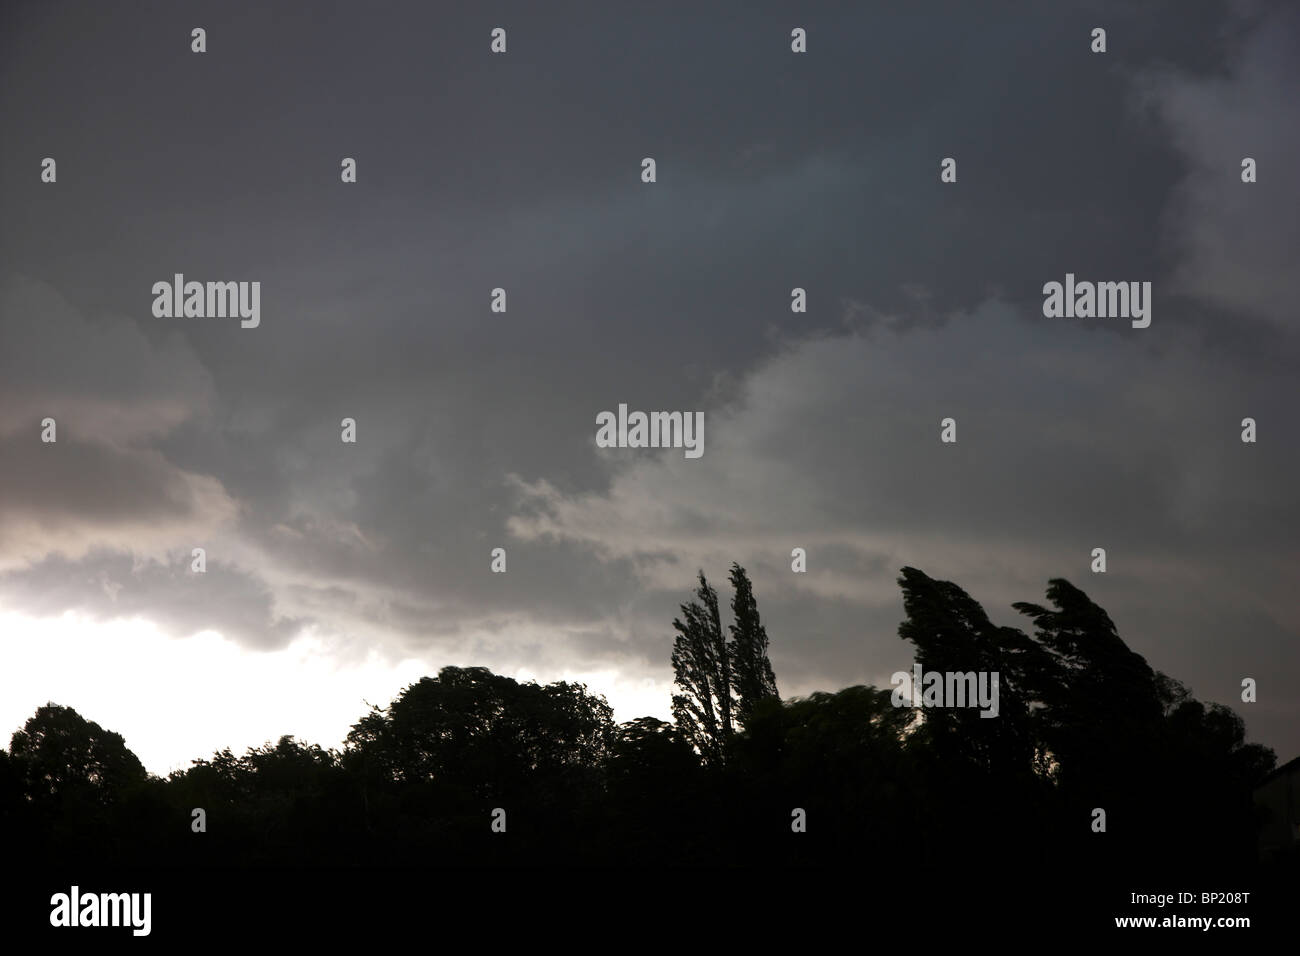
point(1083, 723)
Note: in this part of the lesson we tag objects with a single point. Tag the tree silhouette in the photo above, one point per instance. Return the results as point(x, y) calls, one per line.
point(1098, 696)
point(450, 749)
point(750, 668)
point(703, 672)
point(655, 792)
point(1083, 722)
point(479, 726)
point(952, 633)
point(721, 681)
point(63, 756)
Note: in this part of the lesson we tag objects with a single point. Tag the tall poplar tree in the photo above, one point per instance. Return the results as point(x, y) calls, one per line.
point(751, 670)
point(721, 681)
point(703, 672)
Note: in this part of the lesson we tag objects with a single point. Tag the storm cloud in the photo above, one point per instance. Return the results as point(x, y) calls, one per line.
point(476, 428)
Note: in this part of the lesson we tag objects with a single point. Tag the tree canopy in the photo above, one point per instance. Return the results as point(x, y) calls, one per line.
point(1083, 722)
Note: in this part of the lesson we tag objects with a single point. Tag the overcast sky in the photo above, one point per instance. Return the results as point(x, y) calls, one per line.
point(338, 573)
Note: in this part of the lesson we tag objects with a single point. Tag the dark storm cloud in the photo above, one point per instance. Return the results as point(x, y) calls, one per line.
point(96, 369)
point(109, 394)
point(475, 429)
point(92, 482)
point(1236, 247)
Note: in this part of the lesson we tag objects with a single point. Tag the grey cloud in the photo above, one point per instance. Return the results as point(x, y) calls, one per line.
point(107, 586)
point(1236, 242)
point(475, 429)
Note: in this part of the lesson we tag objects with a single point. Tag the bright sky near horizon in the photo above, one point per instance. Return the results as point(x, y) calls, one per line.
point(181, 699)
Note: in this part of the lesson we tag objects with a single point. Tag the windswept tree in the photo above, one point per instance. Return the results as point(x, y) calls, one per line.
point(751, 670)
point(703, 673)
point(953, 635)
point(721, 681)
point(1134, 740)
point(1102, 701)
